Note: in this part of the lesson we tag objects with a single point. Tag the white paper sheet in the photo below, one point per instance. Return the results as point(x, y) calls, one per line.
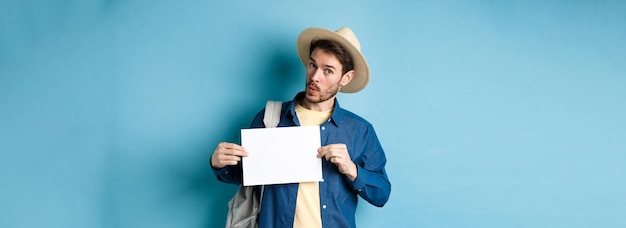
point(281, 155)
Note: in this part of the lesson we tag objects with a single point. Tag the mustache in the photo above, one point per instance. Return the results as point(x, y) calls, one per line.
point(312, 83)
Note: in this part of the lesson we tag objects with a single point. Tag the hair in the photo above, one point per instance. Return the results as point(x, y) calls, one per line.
point(336, 49)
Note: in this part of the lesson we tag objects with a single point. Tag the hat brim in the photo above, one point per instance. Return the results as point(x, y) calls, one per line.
point(361, 69)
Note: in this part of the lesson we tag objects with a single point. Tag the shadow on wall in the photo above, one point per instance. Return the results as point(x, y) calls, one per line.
point(276, 79)
point(146, 188)
point(279, 79)
point(151, 184)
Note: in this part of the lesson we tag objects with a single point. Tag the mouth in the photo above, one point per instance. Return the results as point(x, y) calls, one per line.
point(312, 88)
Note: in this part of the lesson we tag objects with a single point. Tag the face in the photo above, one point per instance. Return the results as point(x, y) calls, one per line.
point(324, 77)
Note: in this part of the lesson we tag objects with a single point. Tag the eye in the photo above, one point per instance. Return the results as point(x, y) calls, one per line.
point(312, 64)
point(329, 71)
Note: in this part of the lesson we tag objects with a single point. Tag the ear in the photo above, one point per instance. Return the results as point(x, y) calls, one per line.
point(347, 77)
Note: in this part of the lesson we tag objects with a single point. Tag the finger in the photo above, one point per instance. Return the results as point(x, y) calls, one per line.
point(331, 157)
point(238, 152)
point(321, 152)
point(233, 149)
point(228, 157)
point(227, 163)
point(229, 160)
point(336, 146)
point(221, 160)
point(326, 153)
point(228, 145)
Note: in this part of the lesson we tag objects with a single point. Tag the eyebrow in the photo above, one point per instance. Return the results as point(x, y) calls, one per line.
point(329, 66)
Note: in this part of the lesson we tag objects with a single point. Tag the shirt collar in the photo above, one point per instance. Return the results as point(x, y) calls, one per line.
point(335, 117)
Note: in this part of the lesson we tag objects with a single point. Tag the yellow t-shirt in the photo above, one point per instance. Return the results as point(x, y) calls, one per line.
point(308, 213)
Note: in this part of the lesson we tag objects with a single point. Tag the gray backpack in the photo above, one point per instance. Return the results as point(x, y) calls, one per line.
point(244, 207)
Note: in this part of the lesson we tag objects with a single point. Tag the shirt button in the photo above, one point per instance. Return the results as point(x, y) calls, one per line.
point(323, 128)
point(324, 206)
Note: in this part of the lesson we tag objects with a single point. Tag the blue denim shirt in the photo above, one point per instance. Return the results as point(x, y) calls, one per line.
point(338, 194)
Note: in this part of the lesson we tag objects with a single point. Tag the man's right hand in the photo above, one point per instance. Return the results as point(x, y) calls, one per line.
point(227, 154)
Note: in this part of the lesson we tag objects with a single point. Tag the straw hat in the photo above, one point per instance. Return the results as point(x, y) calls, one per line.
point(346, 38)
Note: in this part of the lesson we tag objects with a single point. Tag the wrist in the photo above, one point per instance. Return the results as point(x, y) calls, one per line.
point(353, 172)
point(215, 166)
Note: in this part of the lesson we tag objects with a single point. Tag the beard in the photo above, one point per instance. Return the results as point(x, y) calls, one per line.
point(322, 96)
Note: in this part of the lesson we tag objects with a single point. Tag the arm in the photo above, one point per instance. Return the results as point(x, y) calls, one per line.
point(225, 160)
point(366, 172)
point(372, 183)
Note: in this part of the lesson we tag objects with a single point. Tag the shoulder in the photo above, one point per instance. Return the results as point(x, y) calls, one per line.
point(351, 118)
point(257, 122)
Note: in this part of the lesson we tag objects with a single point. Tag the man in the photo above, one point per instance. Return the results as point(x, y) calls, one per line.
point(353, 160)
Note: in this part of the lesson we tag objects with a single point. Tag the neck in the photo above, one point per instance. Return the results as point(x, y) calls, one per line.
point(320, 107)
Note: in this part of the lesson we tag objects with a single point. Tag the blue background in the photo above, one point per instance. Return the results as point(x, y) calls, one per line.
point(492, 113)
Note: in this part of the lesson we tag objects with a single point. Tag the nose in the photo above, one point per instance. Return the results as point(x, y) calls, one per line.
point(317, 73)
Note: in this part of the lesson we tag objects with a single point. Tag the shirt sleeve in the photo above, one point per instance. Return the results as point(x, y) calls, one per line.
point(233, 174)
point(229, 174)
point(372, 183)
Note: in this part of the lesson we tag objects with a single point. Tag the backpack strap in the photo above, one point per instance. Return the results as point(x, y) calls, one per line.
point(271, 120)
point(272, 113)
point(245, 206)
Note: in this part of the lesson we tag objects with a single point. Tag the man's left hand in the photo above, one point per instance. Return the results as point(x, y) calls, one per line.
point(338, 155)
